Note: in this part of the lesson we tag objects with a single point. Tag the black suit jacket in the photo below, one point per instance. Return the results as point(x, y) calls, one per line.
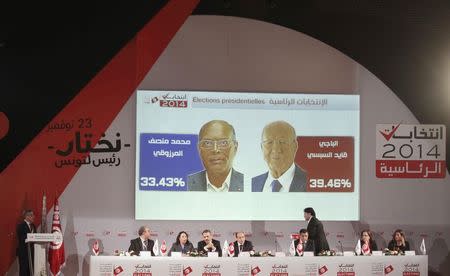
point(309, 246)
point(22, 231)
point(22, 250)
point(298, 183)
point(216, 243)
point(317, 234)
point(393, 246)
point(197, 181)
point(136, 246)
point(176, 247)
point(247, 246)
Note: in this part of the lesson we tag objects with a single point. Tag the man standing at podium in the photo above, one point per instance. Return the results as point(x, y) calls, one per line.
point(23, 228)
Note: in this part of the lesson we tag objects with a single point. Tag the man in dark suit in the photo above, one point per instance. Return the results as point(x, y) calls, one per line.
point(23, 228)
point(315, 230)
point(142, 243)
point(279, 145)
point(198, 182)
point(217, 147)
point(308, 245)
point(241, 244)
point(208, 244)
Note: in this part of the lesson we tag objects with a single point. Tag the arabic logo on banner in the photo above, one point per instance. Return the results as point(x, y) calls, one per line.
point(279, 270)
point(346, 270)
point(142, 270)
point(81, 144)
point(388, 269)
point(255, 270)
point(410, 151)
point(187, 270)
point(117, 270)
point(323, 269)
point(411, 269)
point(168, 100)
point(211, 270)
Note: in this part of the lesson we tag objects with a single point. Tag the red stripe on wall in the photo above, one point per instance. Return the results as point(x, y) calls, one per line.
point(33, 171)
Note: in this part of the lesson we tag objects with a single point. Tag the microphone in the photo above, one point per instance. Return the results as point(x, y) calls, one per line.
point(276, 245)
point(342, 248)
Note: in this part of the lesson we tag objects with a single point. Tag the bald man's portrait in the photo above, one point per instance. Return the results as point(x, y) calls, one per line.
point(217, 146)
point(279, 146)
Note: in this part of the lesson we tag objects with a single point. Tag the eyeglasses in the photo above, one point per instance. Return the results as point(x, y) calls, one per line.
point(220, 144)
point(270, 142)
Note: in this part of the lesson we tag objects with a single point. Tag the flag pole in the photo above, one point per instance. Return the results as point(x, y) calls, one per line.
point(44, 214)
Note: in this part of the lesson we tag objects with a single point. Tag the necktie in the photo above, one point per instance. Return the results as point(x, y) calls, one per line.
point(276, 186)
point(145, 245)
point(240, 248)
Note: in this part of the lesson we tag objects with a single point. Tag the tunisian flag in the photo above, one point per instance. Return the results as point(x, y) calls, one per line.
point(56, 257)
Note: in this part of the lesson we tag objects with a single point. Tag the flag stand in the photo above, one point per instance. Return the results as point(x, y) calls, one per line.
point(40, 241)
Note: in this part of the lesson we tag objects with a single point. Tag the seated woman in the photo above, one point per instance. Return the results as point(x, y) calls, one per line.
point(368, 244)
point(182, 244)
point(398, 242)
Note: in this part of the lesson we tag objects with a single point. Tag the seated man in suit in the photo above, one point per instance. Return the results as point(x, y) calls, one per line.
point(208, 244)
point(279, 145)
point(142, 243)
point(241, 244)
point(307, 245)
point(23, 228)
point(217, 147)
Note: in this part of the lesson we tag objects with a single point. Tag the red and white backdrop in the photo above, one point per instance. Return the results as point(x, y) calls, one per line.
point(214, 53)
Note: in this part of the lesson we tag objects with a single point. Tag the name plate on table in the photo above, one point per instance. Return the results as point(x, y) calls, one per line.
point(244, 254)
point(175, 254)
point(308, 254)
point(280, 254)
point(213, 254)
point(349, 253)
point(410, 253)
point(44, 237)
point(145, 254)
point(377, 253)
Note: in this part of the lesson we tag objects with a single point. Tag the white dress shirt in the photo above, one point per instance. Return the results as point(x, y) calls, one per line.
point(285, 180)
point(29, 226)
point(225, 185)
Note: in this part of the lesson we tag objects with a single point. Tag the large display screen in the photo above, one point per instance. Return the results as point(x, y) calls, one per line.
point(246, 156)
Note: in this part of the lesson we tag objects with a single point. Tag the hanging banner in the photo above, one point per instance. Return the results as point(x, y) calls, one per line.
point(410, 151)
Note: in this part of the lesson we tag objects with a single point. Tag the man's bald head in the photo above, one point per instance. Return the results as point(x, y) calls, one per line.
point(217, 146)
point(279, 145)
point(217, 124)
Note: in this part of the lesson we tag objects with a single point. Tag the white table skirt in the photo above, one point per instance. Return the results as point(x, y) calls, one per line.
point(272, 266)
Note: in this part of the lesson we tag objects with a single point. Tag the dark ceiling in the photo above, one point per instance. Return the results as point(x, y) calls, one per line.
point(404, 43)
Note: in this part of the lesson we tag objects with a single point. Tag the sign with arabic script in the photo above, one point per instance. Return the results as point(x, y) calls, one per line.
point(410, 151)
point(166, 159)
point(82, 148)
